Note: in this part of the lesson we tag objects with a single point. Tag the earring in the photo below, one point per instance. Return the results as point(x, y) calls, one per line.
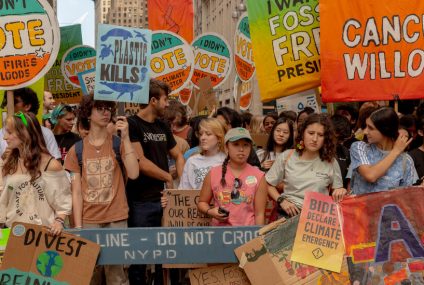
point(300, 145)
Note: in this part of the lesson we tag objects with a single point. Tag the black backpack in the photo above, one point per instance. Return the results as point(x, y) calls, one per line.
point(116, 145)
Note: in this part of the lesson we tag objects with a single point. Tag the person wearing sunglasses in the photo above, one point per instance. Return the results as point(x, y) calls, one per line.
point(38, 190)
point(98, 188)
point(63, 119)
point(237, 188)
point(312, 166)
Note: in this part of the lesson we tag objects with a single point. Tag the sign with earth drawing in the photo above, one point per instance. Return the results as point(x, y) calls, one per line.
point(243, 53)
point(212, 58)
point(34, 256)
point(123, 64)
point(172, 60)
point(77, 59)
point(29, 42)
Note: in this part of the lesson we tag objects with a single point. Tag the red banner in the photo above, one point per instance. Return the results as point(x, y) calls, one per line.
point(176, 16)
point(371, 50)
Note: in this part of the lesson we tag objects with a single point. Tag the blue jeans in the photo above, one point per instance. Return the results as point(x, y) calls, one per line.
point(144, 214)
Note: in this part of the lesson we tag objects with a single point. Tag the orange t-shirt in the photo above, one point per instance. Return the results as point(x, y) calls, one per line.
point(102, 184)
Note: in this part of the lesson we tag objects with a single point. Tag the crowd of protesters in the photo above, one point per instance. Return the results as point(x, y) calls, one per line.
point(88, 168)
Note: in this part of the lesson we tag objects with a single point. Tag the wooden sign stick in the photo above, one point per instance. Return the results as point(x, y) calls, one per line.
point(10, 103)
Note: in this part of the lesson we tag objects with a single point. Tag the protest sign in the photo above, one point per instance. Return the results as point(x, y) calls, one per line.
point(76, 60)
point(285, 37)
point(226, 274)
point(29, 42)
point(318, 239)
point(34, 256)
point(55, 82)
point(243, 54)
point(266, 259)
point(371, 50)
point(387, 239)
point(181, 210)
point(186, 245)
point(4, 237)
point(123, 64)
point(131, 109)
point(212, 58)
point(87, 79)
point(246, 94)
point(185, 94)
point(298, 102)
point(205, 97)
point(172, 60)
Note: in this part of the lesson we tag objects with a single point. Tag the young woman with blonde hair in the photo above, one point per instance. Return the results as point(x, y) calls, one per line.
point(211, 142)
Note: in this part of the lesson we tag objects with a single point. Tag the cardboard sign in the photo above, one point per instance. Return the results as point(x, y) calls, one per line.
point(123, 64)
point(36, 255)
point(387, 241)
point(266, 259)
point(131, 109)
point(246, 94)
point(212, 58)
point(285, 36)
point(371, 50)
point(169, 245)
point(226, 274)
point(4, 237)
point(206, 100)
point(87, 79)
point(77, 60)
point(55, 82)
point(298, 102)
point(29, 42)
point(172, 60)
point(260, 140)
point(243, 54)
point(182, 211)
point(319, 236)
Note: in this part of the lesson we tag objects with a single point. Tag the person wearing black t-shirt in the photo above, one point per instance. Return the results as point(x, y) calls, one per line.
point(152, 140)
point(418, 153)
point(63, 119)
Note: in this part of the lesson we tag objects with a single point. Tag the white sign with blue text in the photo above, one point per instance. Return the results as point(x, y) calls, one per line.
point(123, 64)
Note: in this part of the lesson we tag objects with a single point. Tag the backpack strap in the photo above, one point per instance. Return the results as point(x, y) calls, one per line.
point(79, 147)
point(116, 144)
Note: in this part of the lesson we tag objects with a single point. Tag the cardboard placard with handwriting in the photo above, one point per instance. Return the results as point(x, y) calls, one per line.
point(33, 256)
point(182, 211)
point(226, 274)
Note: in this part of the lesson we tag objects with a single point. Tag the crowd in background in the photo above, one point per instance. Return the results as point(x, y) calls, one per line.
point(86, 167)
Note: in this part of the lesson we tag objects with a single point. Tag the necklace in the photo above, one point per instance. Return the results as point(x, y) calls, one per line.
point(97, 148)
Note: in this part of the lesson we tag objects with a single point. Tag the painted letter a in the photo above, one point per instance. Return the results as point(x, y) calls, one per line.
point(394, 227)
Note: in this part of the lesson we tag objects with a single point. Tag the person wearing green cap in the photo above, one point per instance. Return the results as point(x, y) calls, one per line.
point(238, 189)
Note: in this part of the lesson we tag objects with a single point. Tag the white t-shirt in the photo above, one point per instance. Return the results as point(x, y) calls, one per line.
point(196, 168)
point(301, 176)
point(48, 138)
point(271, 155)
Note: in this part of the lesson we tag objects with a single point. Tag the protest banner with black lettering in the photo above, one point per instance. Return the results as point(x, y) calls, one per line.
point(29, 42)
point(34, 256)
point(226, 274)
point(285, 38)
point(172, 60)
point(87, 79)
point(318, 239)
point(298, 102)
point(384, 235)
point(212, 58)
point(123, 64)
point(181, 210)
point(371, 50)
point(77, 60)
point(54, 81)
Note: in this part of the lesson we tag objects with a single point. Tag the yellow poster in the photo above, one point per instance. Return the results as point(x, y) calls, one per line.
point(318, 239)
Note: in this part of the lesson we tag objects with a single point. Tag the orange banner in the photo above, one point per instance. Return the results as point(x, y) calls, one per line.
point(371, 50)
point(176, 16)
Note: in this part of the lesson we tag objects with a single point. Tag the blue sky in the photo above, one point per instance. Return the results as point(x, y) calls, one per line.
point(78, 12)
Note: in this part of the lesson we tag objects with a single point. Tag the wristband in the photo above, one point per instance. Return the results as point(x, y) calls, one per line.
point(280, 199)
point(60, 220)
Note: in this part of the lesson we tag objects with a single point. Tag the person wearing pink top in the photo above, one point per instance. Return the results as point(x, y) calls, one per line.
point(238, 189)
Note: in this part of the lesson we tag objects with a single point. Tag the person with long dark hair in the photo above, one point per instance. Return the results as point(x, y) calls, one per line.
point(381, 163)
point(312, 166)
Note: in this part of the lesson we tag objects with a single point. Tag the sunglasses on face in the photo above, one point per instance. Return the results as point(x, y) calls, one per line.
point(22, 117)
point(235, 194)
point(103, 109)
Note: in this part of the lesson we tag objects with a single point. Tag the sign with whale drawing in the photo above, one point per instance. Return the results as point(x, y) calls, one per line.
point(123, 64)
